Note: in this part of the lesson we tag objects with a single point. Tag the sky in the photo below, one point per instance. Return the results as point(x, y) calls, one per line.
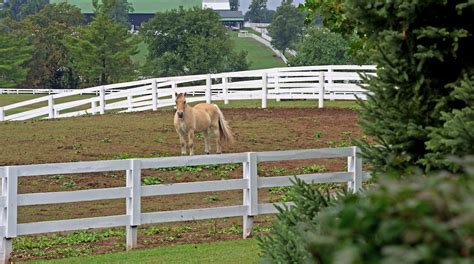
point(271, 4)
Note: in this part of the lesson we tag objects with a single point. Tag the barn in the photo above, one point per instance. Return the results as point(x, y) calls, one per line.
point(144, 10)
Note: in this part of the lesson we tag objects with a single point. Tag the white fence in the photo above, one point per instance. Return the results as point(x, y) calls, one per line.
point(334, 82)
point(10, 200)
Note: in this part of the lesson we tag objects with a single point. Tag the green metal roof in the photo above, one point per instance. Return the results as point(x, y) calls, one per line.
point(140, 6)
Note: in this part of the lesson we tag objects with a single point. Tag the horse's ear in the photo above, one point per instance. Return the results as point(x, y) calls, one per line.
point(185, 94)
point(176, 94)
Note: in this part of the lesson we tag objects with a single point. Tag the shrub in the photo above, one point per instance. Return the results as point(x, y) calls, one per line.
point(417, 220)
point(322, 47)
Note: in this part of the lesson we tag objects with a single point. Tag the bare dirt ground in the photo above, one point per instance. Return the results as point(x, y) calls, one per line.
point(151, 134)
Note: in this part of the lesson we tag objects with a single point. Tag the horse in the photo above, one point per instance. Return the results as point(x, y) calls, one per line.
point(200, 118)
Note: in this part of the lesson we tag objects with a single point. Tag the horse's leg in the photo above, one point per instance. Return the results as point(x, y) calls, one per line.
point(182, 141)
point(206, 141)
point(217, 134)
point(191, 142)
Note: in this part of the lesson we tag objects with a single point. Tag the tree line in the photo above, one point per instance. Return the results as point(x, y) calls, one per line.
point(51, 46)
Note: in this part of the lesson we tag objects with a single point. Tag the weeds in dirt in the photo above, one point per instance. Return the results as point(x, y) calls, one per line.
point(106, 140)
point(151, 180)
point(212, 198)
point(69, 184)
point(318, 134)
point(314, 169)
point(282, 192)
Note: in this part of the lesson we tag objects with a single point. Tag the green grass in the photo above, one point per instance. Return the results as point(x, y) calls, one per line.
point(259, 55)
point(139, 6)
point(140, 57)
point(236, 251)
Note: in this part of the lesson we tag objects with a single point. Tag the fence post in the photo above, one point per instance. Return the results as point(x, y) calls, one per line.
point(264, 89)
point(2, 114)
point(250, 198)
point(173, 90)
point(9, 212)
point(224, 90)
point(354, 165)
point(277, 86)
point(130, 102)
point(93, 107)
point(50, 106)
point(133, 203)
point(321, 90)
point(154, 95)
point(102, 100)
point(330, 82)
point(208, 89)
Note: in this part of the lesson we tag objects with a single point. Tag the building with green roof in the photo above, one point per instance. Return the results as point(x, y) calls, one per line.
point(146, 9)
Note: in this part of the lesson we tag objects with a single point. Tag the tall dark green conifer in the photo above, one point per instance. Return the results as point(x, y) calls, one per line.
point(425, 66)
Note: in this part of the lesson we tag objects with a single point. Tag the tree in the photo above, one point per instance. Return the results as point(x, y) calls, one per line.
point(336, 18)
point(117, 10)
point(14, 52)
point(234, 5)
point(49, 66)
point(287, 26)
point(420, 97)
point(101, 52)
point(191, 41)
point(19, 9)
point(258, 12)
point(322, 47)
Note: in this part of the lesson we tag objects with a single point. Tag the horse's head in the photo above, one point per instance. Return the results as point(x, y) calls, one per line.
point(180, 104)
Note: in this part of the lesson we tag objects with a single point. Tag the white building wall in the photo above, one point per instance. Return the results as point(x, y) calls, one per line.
point(216, 4)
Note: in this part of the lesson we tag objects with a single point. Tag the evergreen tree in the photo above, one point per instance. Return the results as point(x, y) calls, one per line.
point(287, 26)
point(420, 104)
point(117, 10)
point(101, 52)
point(14, 52)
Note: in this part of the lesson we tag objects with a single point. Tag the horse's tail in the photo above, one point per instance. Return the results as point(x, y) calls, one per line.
point(226, 136)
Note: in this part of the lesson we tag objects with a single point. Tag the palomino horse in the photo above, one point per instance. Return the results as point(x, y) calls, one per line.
point(200, 118)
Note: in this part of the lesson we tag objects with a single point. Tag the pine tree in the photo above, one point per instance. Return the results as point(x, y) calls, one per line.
point(424, 56)
point(101, 52)
point(14, 52)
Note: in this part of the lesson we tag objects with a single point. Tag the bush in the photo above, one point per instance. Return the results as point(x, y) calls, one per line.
point(419, 220)
point(322, 47)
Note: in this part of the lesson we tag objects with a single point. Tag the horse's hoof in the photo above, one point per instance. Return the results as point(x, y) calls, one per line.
point(207, 153)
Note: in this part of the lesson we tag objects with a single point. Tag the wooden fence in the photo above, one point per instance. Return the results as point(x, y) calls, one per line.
point(250, 183)
point(337, 82)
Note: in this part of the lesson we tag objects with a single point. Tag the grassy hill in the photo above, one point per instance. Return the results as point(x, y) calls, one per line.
point(259, 55)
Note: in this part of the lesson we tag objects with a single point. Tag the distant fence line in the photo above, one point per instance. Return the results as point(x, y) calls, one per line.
point(245, 34)
point(133, 192)
point(332, 82)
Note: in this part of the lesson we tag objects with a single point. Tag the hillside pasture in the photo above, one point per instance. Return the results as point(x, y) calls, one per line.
point(151, 134)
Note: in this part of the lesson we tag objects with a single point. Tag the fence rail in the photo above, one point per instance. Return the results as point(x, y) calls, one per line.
point(336, 82)
point(250, 183)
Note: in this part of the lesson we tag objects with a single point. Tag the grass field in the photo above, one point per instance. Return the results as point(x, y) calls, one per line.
point(259, 55)
point(235, 251)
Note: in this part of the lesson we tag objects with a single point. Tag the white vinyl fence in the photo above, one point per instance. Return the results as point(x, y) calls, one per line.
point(10, 200)
point(334, 82)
